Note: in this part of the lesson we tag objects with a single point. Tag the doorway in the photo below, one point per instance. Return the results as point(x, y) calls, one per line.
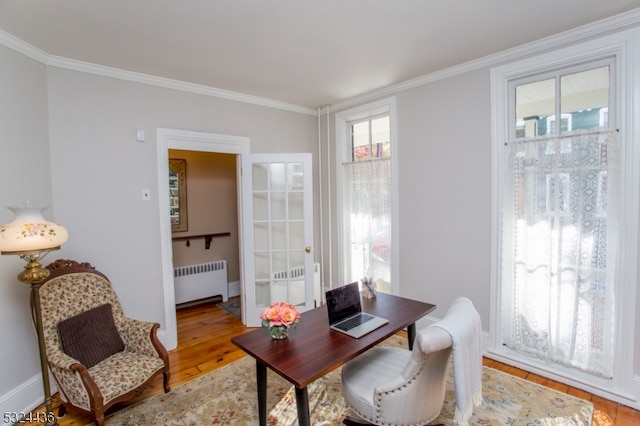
point(190, 141)
point(204, 222)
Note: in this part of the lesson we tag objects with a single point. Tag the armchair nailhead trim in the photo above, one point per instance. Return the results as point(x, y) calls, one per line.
point(380, 394)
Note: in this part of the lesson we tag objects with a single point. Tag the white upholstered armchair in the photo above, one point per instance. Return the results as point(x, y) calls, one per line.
point(396, 386)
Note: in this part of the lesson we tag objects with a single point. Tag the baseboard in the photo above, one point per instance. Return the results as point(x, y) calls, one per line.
point(636, 382)
point(24, 398)
point(234, 288)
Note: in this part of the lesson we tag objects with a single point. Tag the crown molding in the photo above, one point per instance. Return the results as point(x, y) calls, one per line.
point(20, 46)
point(612, 24)
point(32, 52)
point(90, 68)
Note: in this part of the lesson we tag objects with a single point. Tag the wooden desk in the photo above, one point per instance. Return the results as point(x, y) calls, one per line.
point(313, 349)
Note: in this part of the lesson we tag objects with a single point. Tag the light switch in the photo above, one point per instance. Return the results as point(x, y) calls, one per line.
point(146, 194)
point(140, 135)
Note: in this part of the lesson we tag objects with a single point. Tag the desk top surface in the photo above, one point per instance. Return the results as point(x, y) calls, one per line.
point(312, 349)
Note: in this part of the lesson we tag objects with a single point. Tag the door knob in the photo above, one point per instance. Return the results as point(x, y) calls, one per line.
point(307, 249)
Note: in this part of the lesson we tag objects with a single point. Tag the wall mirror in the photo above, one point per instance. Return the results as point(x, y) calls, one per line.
point(178, 194)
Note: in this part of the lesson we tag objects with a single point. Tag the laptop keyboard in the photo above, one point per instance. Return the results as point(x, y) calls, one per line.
point(354, 322)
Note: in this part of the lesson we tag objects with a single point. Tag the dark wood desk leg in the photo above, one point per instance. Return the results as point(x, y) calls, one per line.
point(302, 402)
point(411, 334)
point(261, 374)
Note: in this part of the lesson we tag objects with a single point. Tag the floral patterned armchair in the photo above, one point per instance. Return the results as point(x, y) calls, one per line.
point(98, 356)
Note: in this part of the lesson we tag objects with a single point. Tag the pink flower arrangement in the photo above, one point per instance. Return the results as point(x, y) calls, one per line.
point(279, 316)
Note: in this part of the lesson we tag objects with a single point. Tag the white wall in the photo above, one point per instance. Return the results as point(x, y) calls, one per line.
point(445, 191)
point(26, 175)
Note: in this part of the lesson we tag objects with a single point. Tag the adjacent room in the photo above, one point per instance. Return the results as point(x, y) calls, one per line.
point(476, 159)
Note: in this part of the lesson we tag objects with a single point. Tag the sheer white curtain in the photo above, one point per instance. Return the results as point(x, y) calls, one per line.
point(367, 219)
point(560, 228)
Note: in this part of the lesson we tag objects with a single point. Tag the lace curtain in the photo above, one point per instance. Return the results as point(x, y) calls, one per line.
point(367, 219)
point(559, 245)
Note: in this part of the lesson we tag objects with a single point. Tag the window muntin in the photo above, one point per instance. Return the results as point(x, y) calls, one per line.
point(580, 98)
point(370, 138)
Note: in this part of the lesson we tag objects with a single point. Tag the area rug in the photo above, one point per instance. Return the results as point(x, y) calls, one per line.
point(227, 396)
point(231, 306)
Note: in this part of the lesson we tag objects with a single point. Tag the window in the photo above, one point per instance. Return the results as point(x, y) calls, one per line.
point(518, 140)
point(365, 175)
point(557, 288)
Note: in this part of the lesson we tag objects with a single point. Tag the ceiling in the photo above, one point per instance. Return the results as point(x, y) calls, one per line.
point(309, 53)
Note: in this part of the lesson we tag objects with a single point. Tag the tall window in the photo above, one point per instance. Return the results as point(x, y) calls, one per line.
point(560, 220)
point(367, 198)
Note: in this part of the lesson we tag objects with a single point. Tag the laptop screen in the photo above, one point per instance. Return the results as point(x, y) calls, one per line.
point(343, 302)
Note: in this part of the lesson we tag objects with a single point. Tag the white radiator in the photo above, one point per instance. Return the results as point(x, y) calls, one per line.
point(194, 282)
point(289, 285)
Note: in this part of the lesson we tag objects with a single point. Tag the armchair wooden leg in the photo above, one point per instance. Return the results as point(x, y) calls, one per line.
point(62, 410)
point(100, 419)
point(165, 381)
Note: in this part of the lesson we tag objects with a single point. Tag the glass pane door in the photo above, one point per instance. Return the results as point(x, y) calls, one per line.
point(278, 240)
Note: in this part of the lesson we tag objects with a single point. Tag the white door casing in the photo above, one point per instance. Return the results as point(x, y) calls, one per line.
point(191, 141)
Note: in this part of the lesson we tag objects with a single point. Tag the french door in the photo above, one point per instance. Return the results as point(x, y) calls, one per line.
point(277, 232)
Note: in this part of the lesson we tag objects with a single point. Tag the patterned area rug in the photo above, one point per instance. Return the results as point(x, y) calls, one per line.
point(227, 396)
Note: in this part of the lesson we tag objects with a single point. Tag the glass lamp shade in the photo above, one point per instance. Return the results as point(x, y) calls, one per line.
point(30, 232)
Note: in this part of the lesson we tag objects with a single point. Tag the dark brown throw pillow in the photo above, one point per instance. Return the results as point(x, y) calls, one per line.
point(91, 336)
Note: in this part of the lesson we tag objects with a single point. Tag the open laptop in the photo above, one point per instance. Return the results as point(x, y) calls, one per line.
point(345, 312)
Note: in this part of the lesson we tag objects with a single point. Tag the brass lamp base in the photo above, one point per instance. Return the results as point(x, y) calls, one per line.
point(33, 272)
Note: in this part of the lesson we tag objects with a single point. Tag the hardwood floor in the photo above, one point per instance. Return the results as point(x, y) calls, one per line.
point(204, 334)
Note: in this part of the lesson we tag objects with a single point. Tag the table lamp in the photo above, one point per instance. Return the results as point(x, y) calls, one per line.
point(31, 237)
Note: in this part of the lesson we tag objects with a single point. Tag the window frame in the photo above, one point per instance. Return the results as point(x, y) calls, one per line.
point(367, 119)
point(557, 73)
point(343, 154)
point(622, 48)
